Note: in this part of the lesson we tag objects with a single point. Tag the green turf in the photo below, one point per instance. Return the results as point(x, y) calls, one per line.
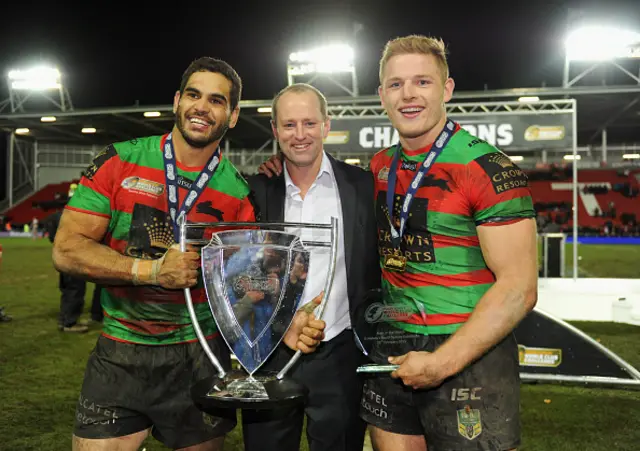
point(41, 369)
point(601, 260)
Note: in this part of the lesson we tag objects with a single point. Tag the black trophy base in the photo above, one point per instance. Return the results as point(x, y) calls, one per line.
point(240, 391)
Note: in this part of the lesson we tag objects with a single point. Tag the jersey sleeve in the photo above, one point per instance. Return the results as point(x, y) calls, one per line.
point(95, 189)
point(498, 190)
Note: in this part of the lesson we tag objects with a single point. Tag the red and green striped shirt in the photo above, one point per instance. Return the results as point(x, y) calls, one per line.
point(126, 183)
point(471, 184)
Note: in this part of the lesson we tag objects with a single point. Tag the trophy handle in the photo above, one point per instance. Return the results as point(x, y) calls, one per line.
point(194, 319)
point(327, 290)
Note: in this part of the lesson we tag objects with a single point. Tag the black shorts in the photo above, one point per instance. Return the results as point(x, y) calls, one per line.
point(129, 388)
point(478, 409)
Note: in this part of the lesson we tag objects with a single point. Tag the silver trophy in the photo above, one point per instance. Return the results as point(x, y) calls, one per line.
point(254, 276)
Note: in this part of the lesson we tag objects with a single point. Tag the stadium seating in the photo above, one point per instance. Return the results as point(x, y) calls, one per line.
point(39, 205)
point(551, 189)
point(598, 188)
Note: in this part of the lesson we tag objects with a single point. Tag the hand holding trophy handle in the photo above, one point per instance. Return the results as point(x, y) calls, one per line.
point(182, 223)
point(306, 332)
point(326, 291)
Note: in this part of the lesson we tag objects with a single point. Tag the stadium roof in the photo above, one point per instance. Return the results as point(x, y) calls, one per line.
point(616, 108)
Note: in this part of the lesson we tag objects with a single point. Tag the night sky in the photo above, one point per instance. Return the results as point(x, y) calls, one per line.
point(116, 56)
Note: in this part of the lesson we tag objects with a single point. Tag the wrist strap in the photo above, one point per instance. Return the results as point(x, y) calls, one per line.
point(145, 272)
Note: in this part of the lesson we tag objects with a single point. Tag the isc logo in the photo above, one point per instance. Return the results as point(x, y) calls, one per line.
point(464, 394)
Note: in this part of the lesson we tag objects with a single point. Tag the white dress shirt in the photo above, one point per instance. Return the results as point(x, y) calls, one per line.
point(321, 202)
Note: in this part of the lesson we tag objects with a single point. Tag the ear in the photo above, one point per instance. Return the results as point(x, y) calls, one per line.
point(176, 102)
point(235, 114)
point(326, 127)
point(381, 97)
point(449, 85)
point(274, 129)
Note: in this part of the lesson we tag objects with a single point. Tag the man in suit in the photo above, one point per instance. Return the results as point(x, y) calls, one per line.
point(313, 187)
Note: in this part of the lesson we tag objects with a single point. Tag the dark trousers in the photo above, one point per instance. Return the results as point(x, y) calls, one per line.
point(72, 291)
point(332, 406)
point(96, 307)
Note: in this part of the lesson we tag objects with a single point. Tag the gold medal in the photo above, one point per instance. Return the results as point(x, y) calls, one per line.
point(395, 263)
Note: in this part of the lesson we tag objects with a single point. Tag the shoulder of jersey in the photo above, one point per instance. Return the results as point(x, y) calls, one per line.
point(143, 144)
point(226, 163)
point(470, 147)
point(384, 153)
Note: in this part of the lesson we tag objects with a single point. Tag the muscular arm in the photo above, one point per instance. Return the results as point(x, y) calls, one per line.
point(77, 250)
point(511, 254)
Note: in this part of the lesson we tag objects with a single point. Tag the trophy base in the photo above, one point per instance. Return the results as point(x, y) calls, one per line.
point(240, 391)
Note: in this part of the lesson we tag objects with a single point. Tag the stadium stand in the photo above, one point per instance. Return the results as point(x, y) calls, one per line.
point(39, 205)
point(609, 201)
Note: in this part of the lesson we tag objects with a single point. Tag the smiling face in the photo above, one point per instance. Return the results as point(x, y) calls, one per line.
point(300, 127)
point(203, 110)
point(413, 91)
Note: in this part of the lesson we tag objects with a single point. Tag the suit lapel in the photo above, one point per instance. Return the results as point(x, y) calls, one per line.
point(275, 200)
point(348, 200)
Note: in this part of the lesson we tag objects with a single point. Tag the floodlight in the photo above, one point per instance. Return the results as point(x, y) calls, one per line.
point(602, 43)
point(570, 157)
point(516, 157)
point(88, 130)
point(631, 156)
point(22, 131)
point(352, 161)
point(526, 99)
point(264, 109)
point(39, 78)
point(152, 114)
point(48, 119)
point(329, 59)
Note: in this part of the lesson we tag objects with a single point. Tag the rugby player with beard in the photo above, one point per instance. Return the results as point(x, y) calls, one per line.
point(120, 230)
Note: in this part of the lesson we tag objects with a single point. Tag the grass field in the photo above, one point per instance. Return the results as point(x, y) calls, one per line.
point(41, 369)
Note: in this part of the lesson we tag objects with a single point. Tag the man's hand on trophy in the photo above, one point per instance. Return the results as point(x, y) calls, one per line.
point(306, 332)
point(271, 167)
point(179, 269)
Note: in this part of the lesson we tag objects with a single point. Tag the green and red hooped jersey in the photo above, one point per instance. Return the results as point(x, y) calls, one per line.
point(126, 184)
point(471, 184)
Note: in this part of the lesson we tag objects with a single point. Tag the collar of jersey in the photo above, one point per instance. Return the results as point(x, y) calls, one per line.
point(425, 149)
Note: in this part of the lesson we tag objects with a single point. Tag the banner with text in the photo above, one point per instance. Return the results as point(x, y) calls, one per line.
point(508, 132)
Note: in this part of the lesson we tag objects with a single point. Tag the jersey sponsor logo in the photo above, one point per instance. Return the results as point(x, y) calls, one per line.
point(150, 235)
point(465, 394)
point(383, 174)
point(469, 422)
point(207, 209)
point(416, 244)
point(504, 174)
point(99, 160)
point(408, 165)
point(144, 186)
point(374, 403)
point(184, 182)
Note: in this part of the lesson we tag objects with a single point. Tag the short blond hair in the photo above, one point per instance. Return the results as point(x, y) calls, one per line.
point(299, 88)
point(424, 45)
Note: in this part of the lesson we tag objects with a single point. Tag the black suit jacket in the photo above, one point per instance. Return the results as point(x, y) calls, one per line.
point(356, 189)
